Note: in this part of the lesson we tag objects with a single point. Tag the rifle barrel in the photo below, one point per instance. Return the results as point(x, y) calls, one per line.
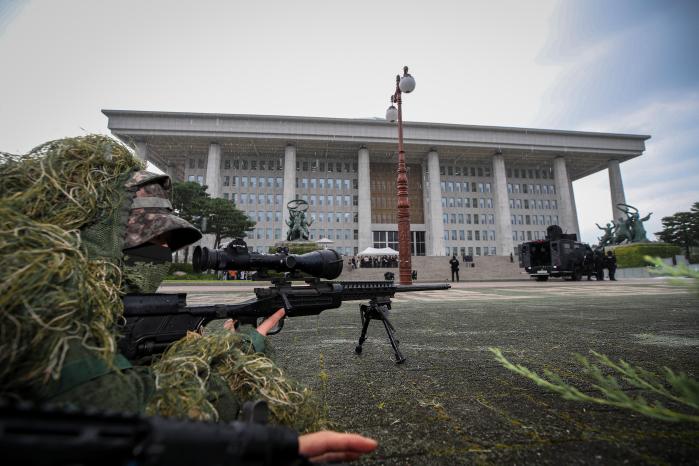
point(423, 287)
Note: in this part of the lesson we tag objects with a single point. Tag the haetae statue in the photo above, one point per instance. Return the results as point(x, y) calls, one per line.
point(297, 223)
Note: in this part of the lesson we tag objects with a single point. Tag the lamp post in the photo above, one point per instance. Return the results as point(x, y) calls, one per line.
point(405, 83)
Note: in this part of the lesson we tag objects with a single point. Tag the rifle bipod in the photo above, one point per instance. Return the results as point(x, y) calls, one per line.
point(377, 309)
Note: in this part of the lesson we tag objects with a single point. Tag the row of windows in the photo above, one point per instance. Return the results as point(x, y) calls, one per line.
point(531, 188)
point(530, 235)
point(334, 234)
point(323, 183)
point(337, 217)
point(241, 164)
point(254, 181)
point(321, 217)
point(262, 216)
point(469, 235)
point(533, 204)
point(461, 251)
point(330, 201)
point(266, 233)
point(458, 202)
point(463, 187)
point(534, 219)
point(252, 198)
point(317, 166)
point(465, 219)
point(453, 170)
point(546, 173)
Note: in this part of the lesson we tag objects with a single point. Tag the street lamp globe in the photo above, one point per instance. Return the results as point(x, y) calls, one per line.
point(392, 114)
point(406, 83)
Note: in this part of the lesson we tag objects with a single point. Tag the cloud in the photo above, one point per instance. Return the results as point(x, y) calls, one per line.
point(634, 70)
point(664, 180)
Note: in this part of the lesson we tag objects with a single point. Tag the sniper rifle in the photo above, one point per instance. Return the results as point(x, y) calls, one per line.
point(154, 321)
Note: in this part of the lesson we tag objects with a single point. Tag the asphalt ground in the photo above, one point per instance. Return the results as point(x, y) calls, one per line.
point(452, 403)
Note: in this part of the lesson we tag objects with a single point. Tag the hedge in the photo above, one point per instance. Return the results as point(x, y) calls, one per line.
point(631, 255)
point(297, 248)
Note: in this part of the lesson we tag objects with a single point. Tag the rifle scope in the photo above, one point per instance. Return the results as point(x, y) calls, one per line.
point(326, 263)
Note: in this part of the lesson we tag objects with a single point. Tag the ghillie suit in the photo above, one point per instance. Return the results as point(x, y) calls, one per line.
point(77, 217)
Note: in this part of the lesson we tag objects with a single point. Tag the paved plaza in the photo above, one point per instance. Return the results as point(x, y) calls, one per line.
point(452, 403)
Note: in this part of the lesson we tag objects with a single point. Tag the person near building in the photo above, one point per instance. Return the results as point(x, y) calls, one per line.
point(598, 262)
point(610, 264)
point(454, 263)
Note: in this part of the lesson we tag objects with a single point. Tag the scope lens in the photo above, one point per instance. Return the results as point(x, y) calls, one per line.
point(196, 260)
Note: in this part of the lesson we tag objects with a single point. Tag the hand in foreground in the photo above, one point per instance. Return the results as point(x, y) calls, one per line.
point(268, 324)
point(328, 446)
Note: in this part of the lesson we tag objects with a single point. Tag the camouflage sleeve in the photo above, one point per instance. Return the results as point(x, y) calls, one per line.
point(258, 342)
point(125, 391)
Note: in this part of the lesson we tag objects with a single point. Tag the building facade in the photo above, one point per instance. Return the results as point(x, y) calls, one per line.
point(474, 190)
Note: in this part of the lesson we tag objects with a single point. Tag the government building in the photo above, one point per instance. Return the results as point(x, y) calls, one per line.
point(474, 190)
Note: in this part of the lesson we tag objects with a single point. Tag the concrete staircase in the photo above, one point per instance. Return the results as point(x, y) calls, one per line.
point(437, 269)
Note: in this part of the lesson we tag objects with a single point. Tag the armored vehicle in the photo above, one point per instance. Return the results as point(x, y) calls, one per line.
point(558, 255)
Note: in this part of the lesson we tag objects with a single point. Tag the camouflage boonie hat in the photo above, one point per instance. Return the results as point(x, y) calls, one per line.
point(151, 213)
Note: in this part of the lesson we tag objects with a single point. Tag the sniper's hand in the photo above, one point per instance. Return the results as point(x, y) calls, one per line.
point(327, 446)
point(268, 324)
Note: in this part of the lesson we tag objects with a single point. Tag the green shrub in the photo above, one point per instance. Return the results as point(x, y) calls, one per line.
point(181, 267)
point(188, 270)
point(299, 248)
point(632, 255)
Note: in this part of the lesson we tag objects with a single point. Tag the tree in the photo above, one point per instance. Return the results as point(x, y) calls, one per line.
point(681, 228)
point(224, 220)
point(188, 201)
point(215, 216)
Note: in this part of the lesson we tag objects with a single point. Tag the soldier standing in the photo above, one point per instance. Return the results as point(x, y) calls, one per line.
point(610, 264)
point(454, 262)
point(599, 264)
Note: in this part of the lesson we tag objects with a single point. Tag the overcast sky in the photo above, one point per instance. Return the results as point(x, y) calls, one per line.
point(613, 66)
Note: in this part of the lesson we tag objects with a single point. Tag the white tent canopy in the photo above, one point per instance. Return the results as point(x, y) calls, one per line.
point(378, 252)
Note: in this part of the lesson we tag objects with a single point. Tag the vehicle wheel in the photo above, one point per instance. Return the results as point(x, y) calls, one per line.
point(577, 275)
point(541, 279)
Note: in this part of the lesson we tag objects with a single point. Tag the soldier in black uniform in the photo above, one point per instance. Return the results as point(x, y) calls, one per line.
point(589, 263)
point(454, 262)
point(610, 264)
point(599, 264)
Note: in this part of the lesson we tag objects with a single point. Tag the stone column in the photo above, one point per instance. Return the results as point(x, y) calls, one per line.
point(364, 194)
point(141, 149)
point(289, 183)
point(616, 189)
point(565, 204)
point(213, 171)
point(504, 242)
point(435, 227)
point(575, 210)
point(171, 171)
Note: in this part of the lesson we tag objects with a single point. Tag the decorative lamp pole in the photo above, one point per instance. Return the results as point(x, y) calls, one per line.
point(405, 83)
